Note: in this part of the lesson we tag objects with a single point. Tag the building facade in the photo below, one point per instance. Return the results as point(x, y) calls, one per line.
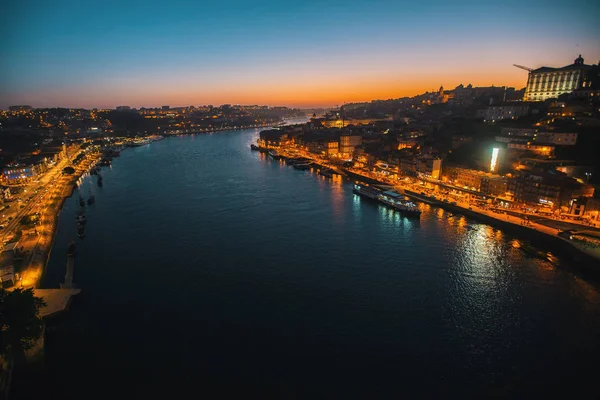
point(541, 150)
point(429, 167)
point(547, 82)
point(505, 111)
point(348, 143)
point(19, 173)
point(555, 191)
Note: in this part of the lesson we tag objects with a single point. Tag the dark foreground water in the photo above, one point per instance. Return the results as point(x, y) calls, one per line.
point(208, 269)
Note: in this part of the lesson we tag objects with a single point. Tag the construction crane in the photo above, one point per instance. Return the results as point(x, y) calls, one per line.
point(522, 67)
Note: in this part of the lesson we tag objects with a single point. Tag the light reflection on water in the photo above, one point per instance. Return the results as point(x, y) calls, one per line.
point(271, 268)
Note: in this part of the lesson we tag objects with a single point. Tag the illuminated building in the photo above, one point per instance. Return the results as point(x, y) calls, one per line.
point(332, 147)
point(348, 143)
point(272, 138)
point(548, 189)
point(547, 82)
point(18, 173)
point(539, 149)
point(494, 185)
point(406, 143)
point(408, 166)
point(521, 135)
point(429, 167)
point(505, 111)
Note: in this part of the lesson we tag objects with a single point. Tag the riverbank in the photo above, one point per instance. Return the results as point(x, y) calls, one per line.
point(225, 226)
point(178, 132)
point(38, 242)
point(584, 256)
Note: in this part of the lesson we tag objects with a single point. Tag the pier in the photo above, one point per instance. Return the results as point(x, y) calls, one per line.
point(57, 300)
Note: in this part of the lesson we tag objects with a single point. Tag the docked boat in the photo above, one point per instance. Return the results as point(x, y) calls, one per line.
point(274, 154)
point(298, 160)
point(532, 251)
point(398, 202)
point(254, 147)
point(328, 172)
point(139, 142)
point(81, 201)
point(301, 167)
point(367, 191)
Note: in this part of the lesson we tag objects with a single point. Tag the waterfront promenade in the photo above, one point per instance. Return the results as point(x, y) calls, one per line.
point(35, 242)
point(524, 222)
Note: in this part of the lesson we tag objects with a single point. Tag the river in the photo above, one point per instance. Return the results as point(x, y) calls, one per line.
point(208, 267)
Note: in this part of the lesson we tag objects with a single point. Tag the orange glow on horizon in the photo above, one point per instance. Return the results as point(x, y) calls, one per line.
point(278, 92)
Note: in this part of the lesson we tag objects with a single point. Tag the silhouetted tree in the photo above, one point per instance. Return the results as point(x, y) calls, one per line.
point(20, 322)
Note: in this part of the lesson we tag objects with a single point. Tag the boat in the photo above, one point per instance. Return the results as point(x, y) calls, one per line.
point(301, 167)
point(274, 154)
point(397, 202)
point(532, 250)
point(81, 219)
point(328, 172)
point(139, 142)
point(81, 201)
point(80, 231)
point(367, 191)
point(254, 147)
point(100, 181)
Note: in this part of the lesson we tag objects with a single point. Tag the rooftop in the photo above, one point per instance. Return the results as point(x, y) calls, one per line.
point(577, 64)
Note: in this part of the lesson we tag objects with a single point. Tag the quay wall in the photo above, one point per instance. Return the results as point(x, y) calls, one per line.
point(557, 244)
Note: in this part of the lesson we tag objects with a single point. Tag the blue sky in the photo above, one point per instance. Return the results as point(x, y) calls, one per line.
point(101, 54)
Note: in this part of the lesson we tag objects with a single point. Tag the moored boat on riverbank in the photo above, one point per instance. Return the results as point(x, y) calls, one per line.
point(398, 202)
point(274, 154)
point(367, 191)
point(328, 172)
point(301, 167)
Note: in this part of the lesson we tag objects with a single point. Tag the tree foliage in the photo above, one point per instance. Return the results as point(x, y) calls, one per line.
point(20, 321)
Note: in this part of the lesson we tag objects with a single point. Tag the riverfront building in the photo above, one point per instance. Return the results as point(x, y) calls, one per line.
point(485, 182)
point(547, 82)
point(550, 189)
point(532, 136)
point(348, 144)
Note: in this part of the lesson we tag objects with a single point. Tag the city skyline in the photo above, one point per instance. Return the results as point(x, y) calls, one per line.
point(305, 55)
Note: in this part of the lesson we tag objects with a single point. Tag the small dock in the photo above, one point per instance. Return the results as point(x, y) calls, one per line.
point(57, 300)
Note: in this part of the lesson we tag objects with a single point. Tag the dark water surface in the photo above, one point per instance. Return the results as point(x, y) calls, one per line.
point(208, 267)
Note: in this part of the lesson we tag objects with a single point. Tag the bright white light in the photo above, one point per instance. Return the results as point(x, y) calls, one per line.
point(495, 152)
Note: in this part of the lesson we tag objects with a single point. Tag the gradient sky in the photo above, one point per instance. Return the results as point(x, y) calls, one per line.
point(87, 53)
